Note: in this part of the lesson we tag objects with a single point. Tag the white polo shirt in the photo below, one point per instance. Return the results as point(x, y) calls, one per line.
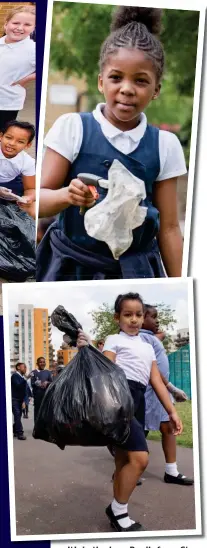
point(133, 355)
point(17, 60)
point(66, 135)
point(11, 167)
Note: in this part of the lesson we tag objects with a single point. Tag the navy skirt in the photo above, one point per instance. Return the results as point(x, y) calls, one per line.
point(136, 440)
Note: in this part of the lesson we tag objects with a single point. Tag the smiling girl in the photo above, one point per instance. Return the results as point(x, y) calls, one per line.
point(17, 61)
point(131, 69)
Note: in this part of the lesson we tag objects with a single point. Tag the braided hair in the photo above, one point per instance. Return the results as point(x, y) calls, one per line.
point(137, 28)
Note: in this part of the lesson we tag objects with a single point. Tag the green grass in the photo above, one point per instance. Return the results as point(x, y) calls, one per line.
point(186, 438)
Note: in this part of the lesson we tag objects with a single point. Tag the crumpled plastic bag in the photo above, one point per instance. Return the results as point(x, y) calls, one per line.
point(113, 220)
point(17, 243)
point(89, 403)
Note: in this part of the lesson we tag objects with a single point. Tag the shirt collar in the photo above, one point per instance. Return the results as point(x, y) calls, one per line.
point(127, 335)
point(111, 131)
point(146, 331)
point(13, 44)
point(18, 373)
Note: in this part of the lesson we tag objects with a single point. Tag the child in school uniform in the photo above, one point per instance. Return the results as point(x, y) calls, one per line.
point(156, 417)
point(131, 68)
point(17, 61)
point(137, 359)
point(17, 168)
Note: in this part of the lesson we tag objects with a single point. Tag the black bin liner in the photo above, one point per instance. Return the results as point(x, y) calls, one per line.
point(17, 243)
point(89, 403)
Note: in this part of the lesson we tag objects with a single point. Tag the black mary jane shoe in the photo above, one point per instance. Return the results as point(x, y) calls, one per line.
point(179, 480)
point(115, 524)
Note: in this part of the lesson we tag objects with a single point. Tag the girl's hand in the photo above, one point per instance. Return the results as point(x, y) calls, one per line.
point(4, 192)
point(79, 194)
point(83, 339)
point(29, 207)
point(176, 423)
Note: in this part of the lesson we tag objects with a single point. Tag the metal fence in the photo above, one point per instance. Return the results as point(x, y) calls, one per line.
point(180, 369)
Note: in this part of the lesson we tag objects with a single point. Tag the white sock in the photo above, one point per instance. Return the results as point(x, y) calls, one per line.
point(172, 469)
point(119, 509)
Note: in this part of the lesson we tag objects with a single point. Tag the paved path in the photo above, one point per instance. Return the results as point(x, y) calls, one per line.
point(66, 492)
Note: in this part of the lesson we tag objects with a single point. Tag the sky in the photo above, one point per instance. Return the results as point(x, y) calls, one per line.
point(81, 298)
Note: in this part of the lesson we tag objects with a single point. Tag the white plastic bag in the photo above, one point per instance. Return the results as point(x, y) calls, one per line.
point(113, 219)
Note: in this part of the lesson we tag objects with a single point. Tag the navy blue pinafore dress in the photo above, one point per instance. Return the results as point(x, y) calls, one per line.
point(67, 252)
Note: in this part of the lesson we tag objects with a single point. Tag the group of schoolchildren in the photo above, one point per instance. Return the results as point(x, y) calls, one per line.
point(17, 168)
point(21, 391)
point(131, 69)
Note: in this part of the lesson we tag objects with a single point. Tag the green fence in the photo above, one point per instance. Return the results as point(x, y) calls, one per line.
point(180, 369)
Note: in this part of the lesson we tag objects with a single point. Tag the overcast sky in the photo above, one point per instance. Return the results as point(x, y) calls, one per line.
point(81, 298)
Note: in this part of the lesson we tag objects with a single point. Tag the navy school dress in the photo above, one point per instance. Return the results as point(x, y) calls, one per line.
point(67, 252)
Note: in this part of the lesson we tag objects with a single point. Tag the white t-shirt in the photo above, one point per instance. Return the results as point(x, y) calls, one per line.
point(66, 135)
point(22, 163)
point(133, 355)
point(17, 60)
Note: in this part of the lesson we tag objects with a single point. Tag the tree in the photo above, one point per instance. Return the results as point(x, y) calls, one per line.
point(105, 324)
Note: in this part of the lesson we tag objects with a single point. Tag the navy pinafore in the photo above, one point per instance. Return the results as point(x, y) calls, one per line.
point(67, 252)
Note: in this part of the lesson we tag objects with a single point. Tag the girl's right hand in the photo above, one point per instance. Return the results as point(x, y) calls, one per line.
point(79, 194)
point(176, 423)
point(83, 339)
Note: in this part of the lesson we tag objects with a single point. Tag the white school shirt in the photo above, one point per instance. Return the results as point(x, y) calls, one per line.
point(17, 60)
point(66, 135)
point(21, 164)
point(133, 355)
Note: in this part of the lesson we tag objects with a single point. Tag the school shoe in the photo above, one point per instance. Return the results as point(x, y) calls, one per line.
point(22, 437)
point(138, 483)
point(115, 524)
point(179, 480)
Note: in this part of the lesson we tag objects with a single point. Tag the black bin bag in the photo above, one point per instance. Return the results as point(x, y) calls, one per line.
point(89, 403)
point(17, 243)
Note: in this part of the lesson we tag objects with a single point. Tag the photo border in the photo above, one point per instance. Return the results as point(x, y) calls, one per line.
point(146, 534)
point(172, 4)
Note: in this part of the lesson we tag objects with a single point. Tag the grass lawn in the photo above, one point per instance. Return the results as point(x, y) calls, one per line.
point(185, 413)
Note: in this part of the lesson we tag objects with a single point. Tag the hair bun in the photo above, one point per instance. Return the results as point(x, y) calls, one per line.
point(150, 17)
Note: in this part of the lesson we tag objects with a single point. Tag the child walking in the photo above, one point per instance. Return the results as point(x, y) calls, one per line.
point(156, 417)
point(137, 359)
point(131, 69)
point(17, 61)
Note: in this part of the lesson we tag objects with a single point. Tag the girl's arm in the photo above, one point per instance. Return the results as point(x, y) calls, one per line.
point(29, 192)
point(54, 198)
point(24, 81)
point(169, 238)
point(110, 355)
point(162, 393)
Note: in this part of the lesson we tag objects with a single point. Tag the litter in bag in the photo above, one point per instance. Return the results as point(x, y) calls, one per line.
point(114, 219)
point(89, 403)
point(17, 243)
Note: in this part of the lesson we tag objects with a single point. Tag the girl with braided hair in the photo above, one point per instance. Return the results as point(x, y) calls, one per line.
point(131, 68)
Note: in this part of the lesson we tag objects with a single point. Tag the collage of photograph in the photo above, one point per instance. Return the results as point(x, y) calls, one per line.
point(100, 306)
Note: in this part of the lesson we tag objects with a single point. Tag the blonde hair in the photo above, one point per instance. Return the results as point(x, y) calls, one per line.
point(27, 9)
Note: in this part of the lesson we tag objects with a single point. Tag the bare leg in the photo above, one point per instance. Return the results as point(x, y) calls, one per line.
point(169, 448)
point(168, 442)
point(129, 467)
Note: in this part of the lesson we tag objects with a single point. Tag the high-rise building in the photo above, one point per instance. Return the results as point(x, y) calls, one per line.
point(26, 335)
point(31, 337)
point(41, 334)
point(65, 354)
